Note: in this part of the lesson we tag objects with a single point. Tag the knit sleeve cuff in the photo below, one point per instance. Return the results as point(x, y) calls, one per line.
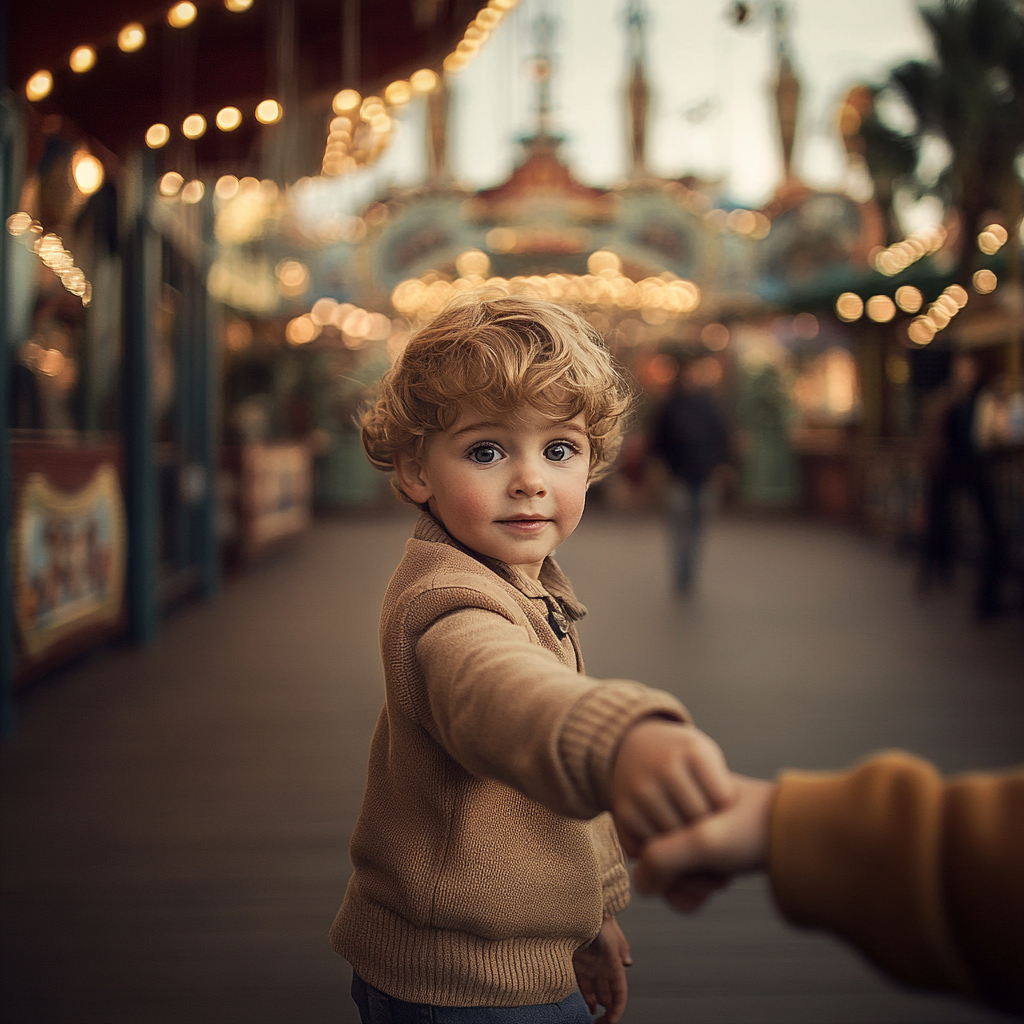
point(594, 728)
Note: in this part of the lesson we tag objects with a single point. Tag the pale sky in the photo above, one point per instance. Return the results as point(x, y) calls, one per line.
point(698, 62)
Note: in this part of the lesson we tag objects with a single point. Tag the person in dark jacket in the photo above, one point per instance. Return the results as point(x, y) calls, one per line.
point(957, 464)
point(690, 436)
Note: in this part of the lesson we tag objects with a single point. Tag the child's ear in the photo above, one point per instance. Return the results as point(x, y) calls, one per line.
point(412, 477)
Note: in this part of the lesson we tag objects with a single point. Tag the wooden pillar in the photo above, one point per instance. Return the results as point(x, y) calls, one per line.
point(8, 135)
point(141, 286)
point(208, 385)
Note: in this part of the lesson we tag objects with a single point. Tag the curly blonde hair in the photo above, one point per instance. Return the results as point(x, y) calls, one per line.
point(501, 354)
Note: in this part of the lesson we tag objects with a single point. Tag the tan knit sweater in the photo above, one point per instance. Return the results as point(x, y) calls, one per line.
point(481, 858)
point(925, 876)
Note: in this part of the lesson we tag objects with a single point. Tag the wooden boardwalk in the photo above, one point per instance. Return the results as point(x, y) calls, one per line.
point(176, 819)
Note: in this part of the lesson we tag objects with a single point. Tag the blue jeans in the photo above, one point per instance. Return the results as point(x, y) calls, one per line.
point(689, 508)
point(377, 1008)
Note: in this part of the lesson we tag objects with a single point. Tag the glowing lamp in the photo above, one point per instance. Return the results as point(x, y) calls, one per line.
point(909, 298)
point(424, 81)
point(985, 282)
point(849, 307)
point(881, 309)
point(181, 14)
point(39, 86)
point(398, 93)
point(194, 126)
point(170, 184)
point(132, 37)
point(269, 112)
point(193, 192)
point(157, 135)
point(82, 59)
point(87, 172)
point(228, 118)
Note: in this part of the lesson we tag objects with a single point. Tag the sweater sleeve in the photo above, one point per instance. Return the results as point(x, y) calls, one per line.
point(926, 878)
point(507, 709)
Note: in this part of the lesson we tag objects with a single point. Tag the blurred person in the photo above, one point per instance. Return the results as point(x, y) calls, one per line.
point(690, 436)
point(957, 464)
point(486, 876)
point(924, 876)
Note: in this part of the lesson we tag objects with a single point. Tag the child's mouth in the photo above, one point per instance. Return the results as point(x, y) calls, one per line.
point(525, 524)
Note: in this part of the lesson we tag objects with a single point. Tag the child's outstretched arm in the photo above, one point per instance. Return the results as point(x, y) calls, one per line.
point(666, 774)
point(601, 971)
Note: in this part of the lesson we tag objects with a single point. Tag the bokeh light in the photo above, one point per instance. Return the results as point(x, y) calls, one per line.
point(881, 309)
point(346, 100)
point(228, 118)
point(269, 112)
point(849, 307)
point(181, 14)
point(157, 135)
point(985, 282)
point(132, 37)
point(88, 173)
point(82, 59)
point(39, 86)
point(909, 298)
point(422, 81)
point(170, 184)
point(194, 126)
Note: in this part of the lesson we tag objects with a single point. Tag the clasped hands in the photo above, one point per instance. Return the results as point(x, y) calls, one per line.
point(692, 822)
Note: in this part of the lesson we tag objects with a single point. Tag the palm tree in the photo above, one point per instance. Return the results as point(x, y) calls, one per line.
point(972, 95)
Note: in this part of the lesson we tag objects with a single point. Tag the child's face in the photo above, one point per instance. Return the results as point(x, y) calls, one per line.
point(511, 488)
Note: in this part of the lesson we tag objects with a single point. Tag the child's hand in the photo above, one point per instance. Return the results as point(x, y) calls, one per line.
point(687, 865)
point(601, 970)
point(666, 775)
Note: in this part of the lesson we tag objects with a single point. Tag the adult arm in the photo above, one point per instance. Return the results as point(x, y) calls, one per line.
point(926, 877)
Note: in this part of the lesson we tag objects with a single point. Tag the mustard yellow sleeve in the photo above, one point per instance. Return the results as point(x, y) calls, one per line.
point(925, 877)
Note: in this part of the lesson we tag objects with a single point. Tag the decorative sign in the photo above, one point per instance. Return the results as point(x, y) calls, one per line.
point(277, 484)
point(69, 559)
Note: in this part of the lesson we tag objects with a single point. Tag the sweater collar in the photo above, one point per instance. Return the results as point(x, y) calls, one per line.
point(553, 582)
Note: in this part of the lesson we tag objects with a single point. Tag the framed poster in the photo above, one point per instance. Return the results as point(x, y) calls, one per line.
point(69, 559)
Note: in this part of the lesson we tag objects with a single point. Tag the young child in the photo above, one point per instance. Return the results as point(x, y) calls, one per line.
point(486, 877)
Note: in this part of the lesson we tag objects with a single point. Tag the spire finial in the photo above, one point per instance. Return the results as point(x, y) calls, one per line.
point(638, 91)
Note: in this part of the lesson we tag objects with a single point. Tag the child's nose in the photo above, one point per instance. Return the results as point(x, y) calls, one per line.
point(529, 481)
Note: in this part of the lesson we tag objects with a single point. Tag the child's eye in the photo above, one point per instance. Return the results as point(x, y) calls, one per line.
point(560, 451)
point(485, 454)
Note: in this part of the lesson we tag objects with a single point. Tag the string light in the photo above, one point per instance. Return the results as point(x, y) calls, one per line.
point(39, 86)
point(82, 59)
point(849, 307)
point(87, 172)
point(194, 126)
point(992, 239)
point(228, 118)
point(50, 250)
point(423, 81)
point(269, 112)
point(237, 6)
point(909, 298)
point(132, 37)
point(157, 136)
point(880, 308)
point(985, 282)
point(922, 329)
point(898, 257)
point(181, 14)
point(658, 298)
point(170, 184)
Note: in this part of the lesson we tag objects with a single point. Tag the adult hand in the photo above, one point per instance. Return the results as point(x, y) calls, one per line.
point(687, 865)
